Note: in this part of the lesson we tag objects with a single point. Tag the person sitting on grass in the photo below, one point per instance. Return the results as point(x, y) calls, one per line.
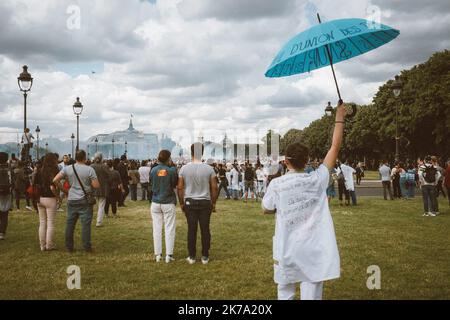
point(304, 249)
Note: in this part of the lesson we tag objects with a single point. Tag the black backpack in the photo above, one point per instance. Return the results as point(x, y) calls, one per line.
point(5, 181)
point(430, 174)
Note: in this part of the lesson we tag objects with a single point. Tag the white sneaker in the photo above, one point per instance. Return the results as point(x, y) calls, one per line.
point(431, 214)
point(98, 225)
point(60, 210)
point(158, 258)
point(28, 208)
point(2, 236)
point(169, 259)
point(425, 214)
point(205, 260)
point(190, 260)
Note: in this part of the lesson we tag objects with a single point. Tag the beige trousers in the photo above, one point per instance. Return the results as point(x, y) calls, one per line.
point(47, 214)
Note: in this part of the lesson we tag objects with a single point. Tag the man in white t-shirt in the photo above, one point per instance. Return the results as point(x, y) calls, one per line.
point(144, 177)
point(304, 245)
point(348, 173)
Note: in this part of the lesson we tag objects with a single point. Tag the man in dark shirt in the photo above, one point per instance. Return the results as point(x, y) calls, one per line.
point(223, 182)
point(122, 167)
point(249, 183)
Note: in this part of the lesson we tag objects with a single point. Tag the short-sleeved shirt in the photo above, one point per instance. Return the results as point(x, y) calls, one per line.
point(385, 173)
point(197, 177)
point(87, 175)
point(144, 174)
point(348, 172)
point(304, 245)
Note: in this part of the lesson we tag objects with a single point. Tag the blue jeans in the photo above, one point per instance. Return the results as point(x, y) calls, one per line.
point(79, 209)
point(353, 197)
point(429, 198)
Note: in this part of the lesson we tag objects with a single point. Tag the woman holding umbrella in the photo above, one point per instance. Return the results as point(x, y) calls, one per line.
point(304, 245)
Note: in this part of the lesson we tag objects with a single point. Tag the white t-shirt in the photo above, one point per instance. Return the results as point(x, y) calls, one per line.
point(348, 172)
point(385, 173)
point(234, 179)
point(260, 175)
point(304, 245)
point(144, 174)
point(228, 176)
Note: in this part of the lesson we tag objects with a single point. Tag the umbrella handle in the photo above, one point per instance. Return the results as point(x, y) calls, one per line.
point(331, 63)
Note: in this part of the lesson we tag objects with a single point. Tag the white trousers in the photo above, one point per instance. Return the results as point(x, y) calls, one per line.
point(308, 291)
point(163, 213)
point(101, 209)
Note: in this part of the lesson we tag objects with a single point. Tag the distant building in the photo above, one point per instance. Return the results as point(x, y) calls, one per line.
point(229, 151)
point(136, 144)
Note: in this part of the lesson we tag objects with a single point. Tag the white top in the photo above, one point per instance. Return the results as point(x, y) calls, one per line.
point(260, 176)
point(348, 172)
point(228, 176)
point(304, 245)
point(385, 173)
point(234, 179)
point(144, 174)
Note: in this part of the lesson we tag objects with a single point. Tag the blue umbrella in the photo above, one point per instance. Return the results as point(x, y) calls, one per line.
point(329, 43)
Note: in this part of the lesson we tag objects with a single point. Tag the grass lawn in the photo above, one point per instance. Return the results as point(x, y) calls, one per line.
point(412, 251)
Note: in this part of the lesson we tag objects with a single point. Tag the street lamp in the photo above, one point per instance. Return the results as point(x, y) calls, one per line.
point(77, 110)
point(397, 86)
point(113, 147)
point(38, 130)
point(96, 145)
point(25, 82)
point(329, 110)
point(72, 137)
point(126, 151)
point(46, 147)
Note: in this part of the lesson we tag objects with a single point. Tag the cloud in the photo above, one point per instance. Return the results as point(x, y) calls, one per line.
point(191, 64)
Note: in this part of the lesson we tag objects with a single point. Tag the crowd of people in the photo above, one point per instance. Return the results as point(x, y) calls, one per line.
point(426, 174)
point(297, 190)
point(121, 177)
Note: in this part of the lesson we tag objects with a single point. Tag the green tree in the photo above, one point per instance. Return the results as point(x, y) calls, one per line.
point(292, 136)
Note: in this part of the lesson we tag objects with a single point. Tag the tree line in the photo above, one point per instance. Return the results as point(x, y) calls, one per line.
point(423, 119)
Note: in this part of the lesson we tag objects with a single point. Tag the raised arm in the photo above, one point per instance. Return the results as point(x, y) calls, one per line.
point(330, 159)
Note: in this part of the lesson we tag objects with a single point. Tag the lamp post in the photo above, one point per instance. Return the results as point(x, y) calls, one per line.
point(112, 147)
point(46, 147)
point(38, 130)
point(96, 145)
point(329, 110)
point(329, 113)
point(25, 82)
point(77, 110)
point(72, 137)
point(397, 86)
point(126, 150)
point(88, 152)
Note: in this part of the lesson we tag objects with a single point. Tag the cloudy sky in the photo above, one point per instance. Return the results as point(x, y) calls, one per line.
point(191, 65)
